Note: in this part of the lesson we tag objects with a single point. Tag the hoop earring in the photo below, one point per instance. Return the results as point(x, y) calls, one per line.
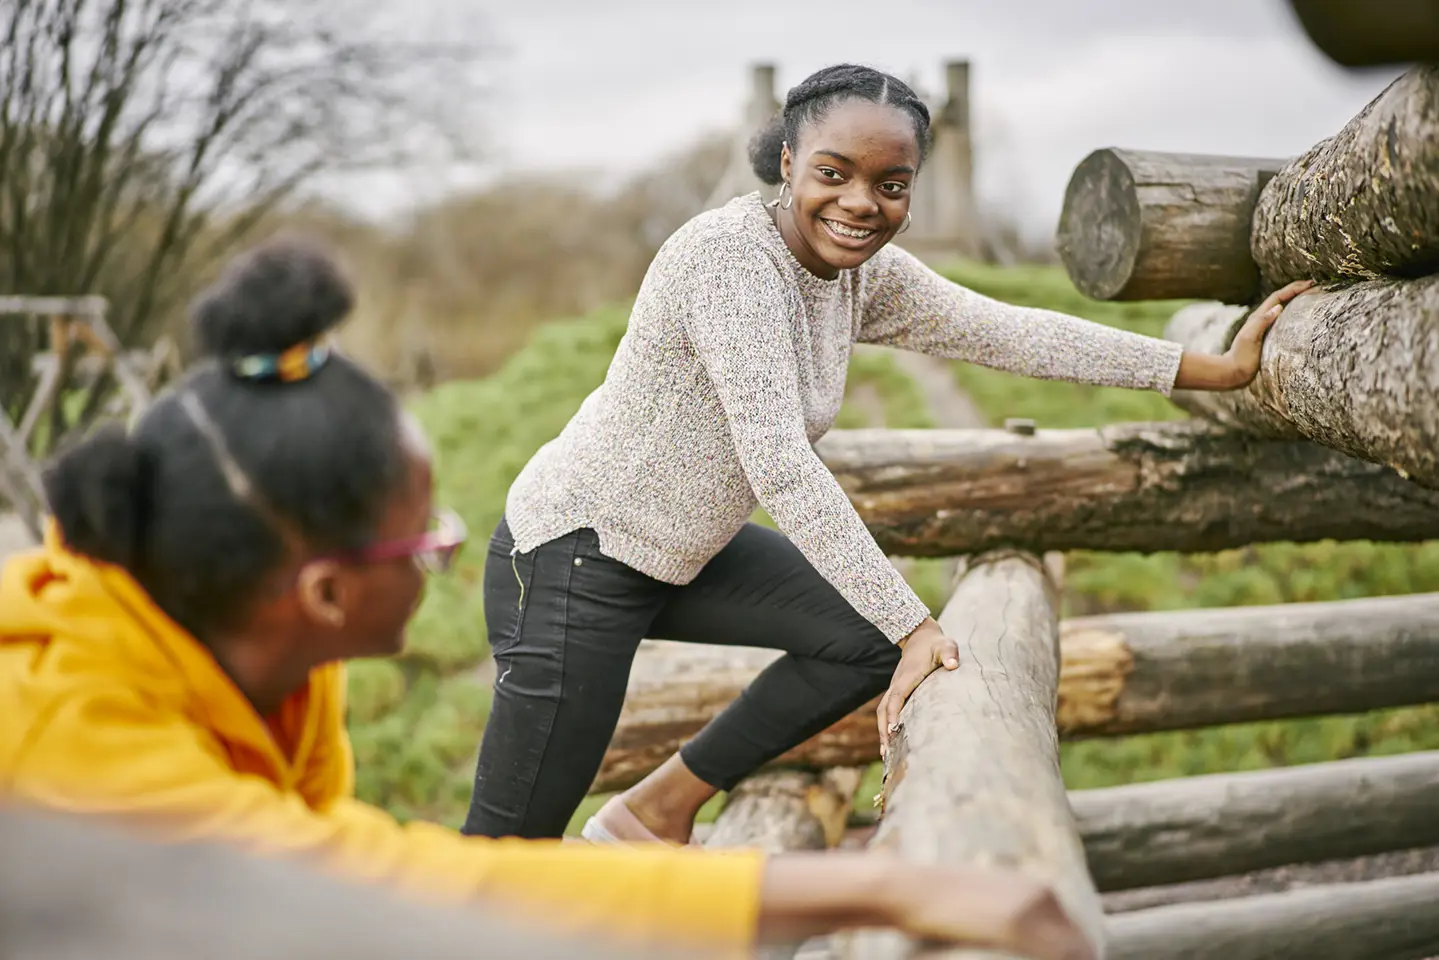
point(783, 187)
point(907, 220)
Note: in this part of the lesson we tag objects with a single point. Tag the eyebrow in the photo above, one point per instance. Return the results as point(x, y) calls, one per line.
point(901, 168)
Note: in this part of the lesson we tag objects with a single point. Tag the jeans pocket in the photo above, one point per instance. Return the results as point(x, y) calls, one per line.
point(508, 577)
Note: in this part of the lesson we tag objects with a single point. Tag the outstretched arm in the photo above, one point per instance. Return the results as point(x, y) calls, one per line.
point(169, 780)
point(908, 305)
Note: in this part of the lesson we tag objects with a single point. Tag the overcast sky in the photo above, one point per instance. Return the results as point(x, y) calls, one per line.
point(612, 86)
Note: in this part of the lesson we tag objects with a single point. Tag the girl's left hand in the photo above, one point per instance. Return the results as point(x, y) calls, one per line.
point(1243, 354)
point(924, 651)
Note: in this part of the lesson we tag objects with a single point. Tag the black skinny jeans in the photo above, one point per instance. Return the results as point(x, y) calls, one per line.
point(564, 623)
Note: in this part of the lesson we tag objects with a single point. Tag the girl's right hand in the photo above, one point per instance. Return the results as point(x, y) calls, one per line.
point(991, 909)
point(813, 894)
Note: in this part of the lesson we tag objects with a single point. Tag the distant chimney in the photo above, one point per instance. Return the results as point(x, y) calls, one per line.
point(762, 102)
point(956, 108)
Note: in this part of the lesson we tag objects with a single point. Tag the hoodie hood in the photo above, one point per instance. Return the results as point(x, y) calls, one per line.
point(68, 622)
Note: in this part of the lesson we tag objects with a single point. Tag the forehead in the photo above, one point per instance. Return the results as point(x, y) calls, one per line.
point(864, 132)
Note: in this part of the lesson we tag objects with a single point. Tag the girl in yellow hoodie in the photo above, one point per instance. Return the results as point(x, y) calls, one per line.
point(171, 658)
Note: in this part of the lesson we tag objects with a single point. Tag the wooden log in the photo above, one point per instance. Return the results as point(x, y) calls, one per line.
point(1372, 35)
point(1379, 866)
point(1355, 369)
point(1121, 673)
point(972, 776)
point(1197, 828)
point(1379, 920)
point(780, 810)
point(1141, 486)
point(70, 889)
point(1156, 226)
point(1363, 203)
point(783, 810)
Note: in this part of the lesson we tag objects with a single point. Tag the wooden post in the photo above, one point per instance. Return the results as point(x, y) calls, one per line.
point(1198, 828)
point(1391, 919)
point(1142, 486)
point(1360, 204)
point(1355, 369)
point(1157, 226)
point(972, 776)
point(1290, 876)
point(781, 810)
point(1121, 674)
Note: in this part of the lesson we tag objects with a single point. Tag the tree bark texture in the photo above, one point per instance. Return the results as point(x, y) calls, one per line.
point(1363, 203)
point(1378, 866)
point(1142, 486)
point(1354, 369)
point(972, 776)
point(1157, 226)
point(1198, 828)
point(1393, 919)
point(1120, 674)
point(1372, 35)
point(779, 810)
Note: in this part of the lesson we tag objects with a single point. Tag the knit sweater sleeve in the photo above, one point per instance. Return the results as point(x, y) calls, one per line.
point(908, 305)
point(739, 320)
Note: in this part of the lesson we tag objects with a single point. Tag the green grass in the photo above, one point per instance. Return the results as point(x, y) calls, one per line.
point(416, 721)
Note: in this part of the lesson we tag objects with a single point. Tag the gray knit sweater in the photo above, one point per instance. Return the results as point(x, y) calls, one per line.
point(734, 364)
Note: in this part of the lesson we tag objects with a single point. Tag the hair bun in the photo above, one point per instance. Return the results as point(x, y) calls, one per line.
point(765, 148)
point(93, 491)
point(277, 296)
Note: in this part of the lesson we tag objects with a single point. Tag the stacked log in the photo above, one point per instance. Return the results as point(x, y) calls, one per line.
point(1353, 368)
point(1362, 204)
point(972, 776)
point(1392, 919)
point(1145, 487)
point(1140, 225)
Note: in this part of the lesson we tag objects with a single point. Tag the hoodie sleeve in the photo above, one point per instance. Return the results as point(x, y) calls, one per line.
point(109, 754)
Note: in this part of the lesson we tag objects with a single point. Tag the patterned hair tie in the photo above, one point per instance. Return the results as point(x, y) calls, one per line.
point(299, 362)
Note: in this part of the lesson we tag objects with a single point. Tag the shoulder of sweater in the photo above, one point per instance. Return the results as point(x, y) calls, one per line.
point(733, 230)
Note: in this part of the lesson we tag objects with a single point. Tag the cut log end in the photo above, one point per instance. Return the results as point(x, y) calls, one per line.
point(1155, 226)
point(1099, 229)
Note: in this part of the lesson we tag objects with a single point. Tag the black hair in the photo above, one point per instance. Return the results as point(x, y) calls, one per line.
point(816, 96)
point(222, 475)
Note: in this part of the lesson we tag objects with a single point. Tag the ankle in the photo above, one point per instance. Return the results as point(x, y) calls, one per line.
point(660, 814)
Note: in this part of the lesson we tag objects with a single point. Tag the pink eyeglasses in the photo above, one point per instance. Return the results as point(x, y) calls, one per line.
point(434, 551)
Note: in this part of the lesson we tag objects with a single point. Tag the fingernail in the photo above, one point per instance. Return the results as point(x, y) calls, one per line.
point(951, 663)
point(893, 727)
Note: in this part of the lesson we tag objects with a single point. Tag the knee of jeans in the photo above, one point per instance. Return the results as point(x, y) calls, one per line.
point(881, 662)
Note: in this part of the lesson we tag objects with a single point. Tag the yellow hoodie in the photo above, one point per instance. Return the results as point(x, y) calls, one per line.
point(108, 708)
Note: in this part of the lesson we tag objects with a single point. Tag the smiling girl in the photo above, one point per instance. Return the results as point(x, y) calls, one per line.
point(634, 522)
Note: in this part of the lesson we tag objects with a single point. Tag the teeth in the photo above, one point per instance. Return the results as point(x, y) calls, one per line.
point(845, 231)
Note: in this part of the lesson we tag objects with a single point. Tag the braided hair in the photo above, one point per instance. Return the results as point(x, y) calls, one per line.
point(820, 92)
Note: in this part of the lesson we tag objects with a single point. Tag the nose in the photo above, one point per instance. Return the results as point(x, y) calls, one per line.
point(858, 202)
